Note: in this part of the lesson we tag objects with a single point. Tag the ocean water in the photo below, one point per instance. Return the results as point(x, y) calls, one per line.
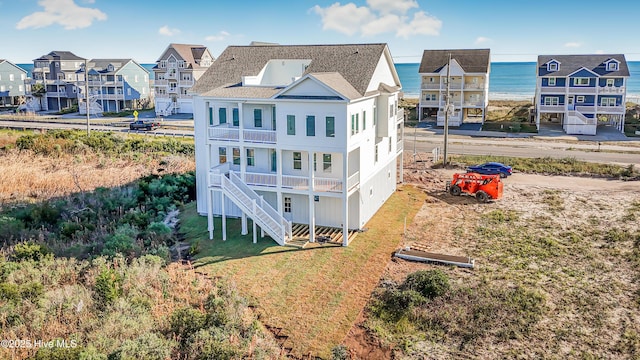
point(507, 80)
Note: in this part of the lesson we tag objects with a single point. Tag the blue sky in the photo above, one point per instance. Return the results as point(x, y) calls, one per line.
point(514, 30)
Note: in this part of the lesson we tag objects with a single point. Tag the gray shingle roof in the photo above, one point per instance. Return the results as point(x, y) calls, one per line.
point(355, 63)
point(63, 55)
point(189, 53)
point(471, 60)
point(570, 63)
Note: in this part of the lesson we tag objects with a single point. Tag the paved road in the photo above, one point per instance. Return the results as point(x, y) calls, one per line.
point(534, 149)
point(55, 126)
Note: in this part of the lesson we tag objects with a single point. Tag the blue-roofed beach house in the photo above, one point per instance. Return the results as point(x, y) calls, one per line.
point(581, 92)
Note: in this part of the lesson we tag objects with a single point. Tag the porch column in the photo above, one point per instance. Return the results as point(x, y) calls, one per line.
point(402, 154)
point(312, 215)
point(345, 200)
point(243, 222)
point(224, 217)
point(210, 213)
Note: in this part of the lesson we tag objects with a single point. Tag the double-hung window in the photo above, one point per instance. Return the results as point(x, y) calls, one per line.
point(330, 126)
point(251, 160)
point(297, 160)
point(326, 162)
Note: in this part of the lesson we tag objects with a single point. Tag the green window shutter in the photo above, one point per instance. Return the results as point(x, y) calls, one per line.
point(311, 125)
point(291, 124)
point(222, 114)
point(236, 117)
point(257, 118)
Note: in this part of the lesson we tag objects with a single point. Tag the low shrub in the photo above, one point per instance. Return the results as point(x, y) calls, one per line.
point(29, 251)
point(429, 283)
point(108, 287)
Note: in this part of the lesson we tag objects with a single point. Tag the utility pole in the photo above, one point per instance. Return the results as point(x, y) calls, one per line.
point(86, 92)
point(447, 109)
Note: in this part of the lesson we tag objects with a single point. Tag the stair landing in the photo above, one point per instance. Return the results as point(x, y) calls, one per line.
point(325, 236)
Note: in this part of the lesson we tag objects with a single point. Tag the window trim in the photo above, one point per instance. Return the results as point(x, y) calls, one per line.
point(548, 101)
point(311, 125)
point(235, 154)
point(257, 118)
point(291, 124)
point(235, 117)
point(251, 157)
point(222, 115)
point(222, 155)
point(326, 163)
point(551, 81)
point(330, 120)
point(580, 98)
point(577, 81)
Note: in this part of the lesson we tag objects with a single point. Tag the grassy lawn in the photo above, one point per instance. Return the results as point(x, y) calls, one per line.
point(314, 295)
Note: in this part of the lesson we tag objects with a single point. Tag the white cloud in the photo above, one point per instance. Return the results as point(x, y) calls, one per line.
point(219, 37)
point(167, 31)
point(65, 13)
point(392, 6)
point(379, 16)
point(422, 24)
point(572, 45)
point(482, 40)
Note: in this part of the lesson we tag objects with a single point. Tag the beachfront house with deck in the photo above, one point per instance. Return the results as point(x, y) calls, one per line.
point(176, 71)
point(468, 85)
point(12, 79)
point(298, 137)
point(581, 92)
point(114, 85)
point(56, 71)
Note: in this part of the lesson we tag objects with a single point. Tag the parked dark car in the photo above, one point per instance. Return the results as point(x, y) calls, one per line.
point(491, 168)
point(144, 125)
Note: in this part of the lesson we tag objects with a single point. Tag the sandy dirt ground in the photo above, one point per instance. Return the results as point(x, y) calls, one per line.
point(445, 225)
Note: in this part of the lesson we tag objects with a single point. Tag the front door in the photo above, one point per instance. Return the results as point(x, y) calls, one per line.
point(570, 101)
point(288, 207)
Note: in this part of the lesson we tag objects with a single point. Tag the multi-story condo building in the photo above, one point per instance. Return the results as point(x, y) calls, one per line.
point(581, 91)
point(175, 73)
point(468, 85)
point(298, 134)
point(12, 79)
point(55, 71)
point(114, 84)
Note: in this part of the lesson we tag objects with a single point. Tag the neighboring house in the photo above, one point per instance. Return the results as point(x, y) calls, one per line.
point(175, 73)
point(12, 79)
point(298, 134)
point(580, 92)
point(468, 85)
point(114, 84)
point(56, 71)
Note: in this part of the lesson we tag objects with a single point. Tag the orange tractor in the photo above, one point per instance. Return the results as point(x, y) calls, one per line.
point(484, 187)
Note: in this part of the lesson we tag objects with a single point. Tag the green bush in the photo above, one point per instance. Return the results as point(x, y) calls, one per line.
point(122, 241)
point(29, 251)
point(185, 322)
point(58, 353)
point(340, 352)
point(108, 287)
point(11, 228)
point(397, 303)
point(148, 346)
point(429, 283)
point(212, 343)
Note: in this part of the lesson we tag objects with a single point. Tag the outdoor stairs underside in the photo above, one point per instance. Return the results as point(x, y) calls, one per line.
point(256, 208)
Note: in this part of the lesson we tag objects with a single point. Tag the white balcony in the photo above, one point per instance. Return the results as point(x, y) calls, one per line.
point(186, 83)
point(472, 86)
point(431, 103)
point(260, 136)
point(327, 185)
point(586, 109)
point(433, 86)
point(612, 90)
point(261, 179)
point(224, 133)
point(611, 109)
point(295, 182)
point(582, 90)
point(161, 82)
point(552, 108)
point(473, 104)
point(553, 90)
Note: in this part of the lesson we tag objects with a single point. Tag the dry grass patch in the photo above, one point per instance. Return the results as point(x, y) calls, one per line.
point(313, 295)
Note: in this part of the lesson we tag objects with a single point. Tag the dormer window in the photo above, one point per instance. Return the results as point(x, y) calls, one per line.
point(612, 66)
point(110, 68)
point(552, 66)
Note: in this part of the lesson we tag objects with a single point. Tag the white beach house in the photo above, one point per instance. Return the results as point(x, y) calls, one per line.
point(304, 134)
point(581, 92)
point(468, 85)
point(176, 71)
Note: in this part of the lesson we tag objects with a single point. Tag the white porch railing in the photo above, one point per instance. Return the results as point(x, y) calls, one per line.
point(581, 117)
point(260, 136)
point(433, 103)
point(552, 108)
point(431, 85)
point(611, 109)
point(611, 90)
point(186, 83)
point(473, 103)
point(224, 132)
point(258, 179)
point(327, 185)
point(353, 180)
point(161, 82)
point(553, 90)
point(586, 109)
point(474, 86)
point(295, 182)
point(582, 90)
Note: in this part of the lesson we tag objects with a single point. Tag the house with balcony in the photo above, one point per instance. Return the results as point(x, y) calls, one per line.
point(468, 85)
point(114, 85)
point(56, 72)
point(176, 71)
point(12, 79)
point(581, 92)
point(292, 136)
